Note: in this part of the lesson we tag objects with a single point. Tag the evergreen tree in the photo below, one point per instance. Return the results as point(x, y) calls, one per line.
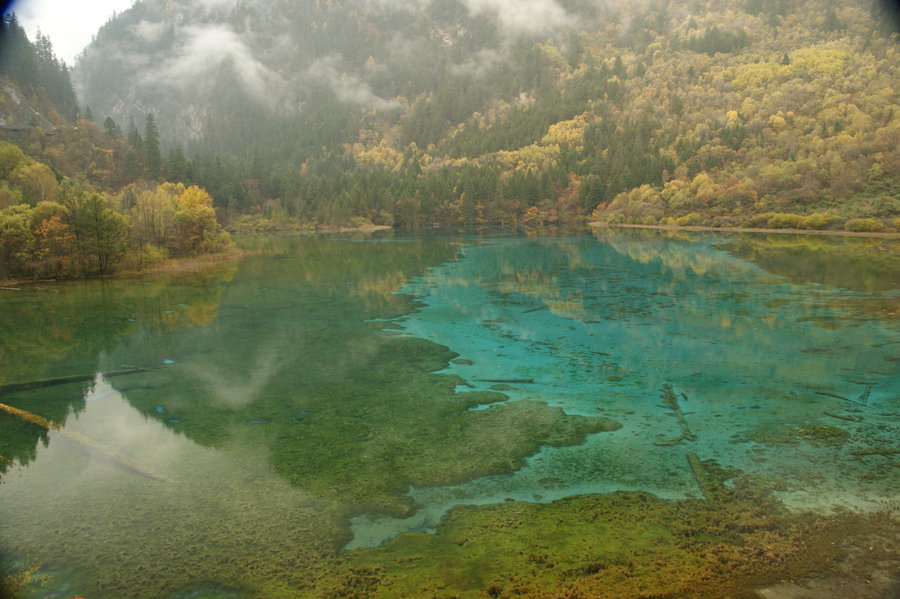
point(99, 233)
point(134, 137)
point(111, 128)
point(152, 157)
point(17, 56)
point(832, 23)
point(177, 167)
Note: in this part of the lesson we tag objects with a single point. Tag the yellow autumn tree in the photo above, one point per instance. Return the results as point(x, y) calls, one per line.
point(196, 228)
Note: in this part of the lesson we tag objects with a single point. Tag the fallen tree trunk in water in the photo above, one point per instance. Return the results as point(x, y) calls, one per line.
point(671, 402)
point(708, 487)
point(63, 380)
point(115, 455)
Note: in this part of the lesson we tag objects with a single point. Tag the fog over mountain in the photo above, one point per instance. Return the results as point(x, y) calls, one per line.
point(500, 111)
point(175, 58)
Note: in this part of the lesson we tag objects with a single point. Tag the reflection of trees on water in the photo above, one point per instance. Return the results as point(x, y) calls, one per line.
point(286, 373)
point(661, 304)
point(294, 366)
point(675, 251)
point(69, 329)
point(864, 264)
point(867, 267)
point(745, 314)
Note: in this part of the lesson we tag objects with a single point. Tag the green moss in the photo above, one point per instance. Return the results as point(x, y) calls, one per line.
point(620, 545)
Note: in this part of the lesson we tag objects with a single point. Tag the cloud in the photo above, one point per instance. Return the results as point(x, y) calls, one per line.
point(348, 88)
point(206, 48)
point(149, 31)
point(523, 16)
point(484, 62)
point(69, 25)
point(214, 4)
point(409, 5)
point(517, 17)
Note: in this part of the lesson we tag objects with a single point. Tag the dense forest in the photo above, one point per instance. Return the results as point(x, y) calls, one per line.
point(312, 113)
point(95, 202)
point(724, 112)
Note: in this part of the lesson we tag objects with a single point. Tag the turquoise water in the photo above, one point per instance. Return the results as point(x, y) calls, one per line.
point(325, 394)
point(600, 327)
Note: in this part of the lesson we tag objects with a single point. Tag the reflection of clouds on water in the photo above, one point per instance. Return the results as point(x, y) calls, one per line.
point(111, 420)
point(236, 388)
point(221, 512)
point(100, 389)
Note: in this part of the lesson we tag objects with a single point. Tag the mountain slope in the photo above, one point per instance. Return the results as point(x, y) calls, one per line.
point(417, 112)
point(35, 87)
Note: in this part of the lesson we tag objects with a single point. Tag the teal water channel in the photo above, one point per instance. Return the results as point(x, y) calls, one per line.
point(239, 431)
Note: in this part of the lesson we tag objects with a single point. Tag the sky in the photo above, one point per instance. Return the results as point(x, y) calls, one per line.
point(70, 25)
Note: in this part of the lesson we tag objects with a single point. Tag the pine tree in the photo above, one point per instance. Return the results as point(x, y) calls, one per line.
point(99, 233)
point(152, 157)
point(111, 128)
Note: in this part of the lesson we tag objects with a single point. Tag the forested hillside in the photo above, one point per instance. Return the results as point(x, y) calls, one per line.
point(306, 113)
point(76, 200)
point(726, 112)
point(32, 69)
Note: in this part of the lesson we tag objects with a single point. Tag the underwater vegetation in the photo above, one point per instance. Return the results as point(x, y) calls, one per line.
point(623, 545)
point(303, 401)
point(18, 580)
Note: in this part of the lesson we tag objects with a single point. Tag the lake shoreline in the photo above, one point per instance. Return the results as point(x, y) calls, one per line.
point(878, 234)
point(169, 266)
point(183, 265)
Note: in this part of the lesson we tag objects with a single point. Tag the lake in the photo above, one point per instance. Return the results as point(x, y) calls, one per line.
point(626, 413)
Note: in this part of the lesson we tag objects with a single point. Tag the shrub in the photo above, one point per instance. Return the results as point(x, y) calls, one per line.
point(360, 221)
point(216, 243)
point(383, 218)
point(863, 225)
point(818, 221)
point(758, 220)
point(144, 257)
point(689, 220)
point(784, 220)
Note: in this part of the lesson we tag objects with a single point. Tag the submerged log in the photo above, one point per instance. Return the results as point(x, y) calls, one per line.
point(842, 417)
point(64, 380)
point(535, 309)
point(115, 455)
point(32, 418)
point(670, 401)
point(841, 397)
point(708, 487)
point(511, 381)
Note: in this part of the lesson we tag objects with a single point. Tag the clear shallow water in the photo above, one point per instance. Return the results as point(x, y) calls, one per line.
point(291, 410)
point(601, 327)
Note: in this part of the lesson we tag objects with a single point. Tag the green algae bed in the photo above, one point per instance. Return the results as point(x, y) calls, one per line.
point(619, 545)
point(284, 397)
